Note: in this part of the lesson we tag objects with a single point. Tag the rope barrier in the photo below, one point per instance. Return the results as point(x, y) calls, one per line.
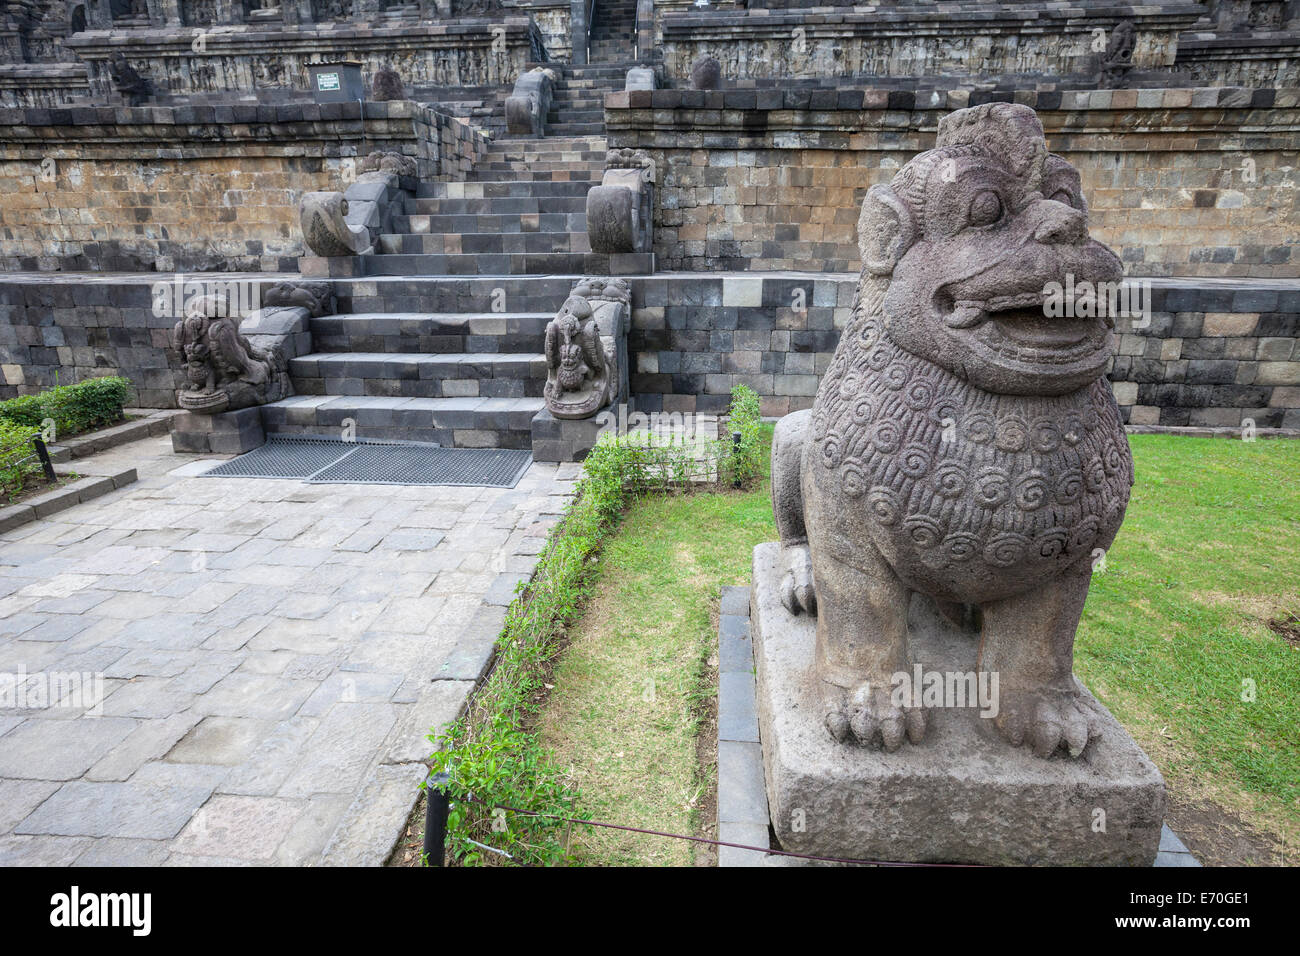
point(470, 798)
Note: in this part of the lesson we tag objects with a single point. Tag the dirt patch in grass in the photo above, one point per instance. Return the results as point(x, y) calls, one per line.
point(1218, 837)
point(1287, 628)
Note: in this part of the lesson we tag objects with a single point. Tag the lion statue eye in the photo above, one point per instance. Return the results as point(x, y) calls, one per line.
point(1064, 196)
point(985, 209)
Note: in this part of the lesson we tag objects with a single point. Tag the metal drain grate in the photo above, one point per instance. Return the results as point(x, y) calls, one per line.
point(405, 465)
point(366, 461)
point(284, 456)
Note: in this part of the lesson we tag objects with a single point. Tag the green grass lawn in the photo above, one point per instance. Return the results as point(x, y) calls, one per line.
point(1178, 623)
point(1178, 620)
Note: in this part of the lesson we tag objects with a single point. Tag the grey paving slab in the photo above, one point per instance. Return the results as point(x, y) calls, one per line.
point(146, 811)
point(41, 749)
point(271, 658)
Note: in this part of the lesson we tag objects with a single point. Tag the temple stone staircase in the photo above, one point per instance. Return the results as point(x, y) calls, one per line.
point(522, 211)
point(438, 359)
point(613, 30)
point(444, 342)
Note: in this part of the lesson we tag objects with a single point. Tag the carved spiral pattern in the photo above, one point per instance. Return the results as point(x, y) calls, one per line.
point(1032, 491)
point(883, 503)
point(854, 478)
point(950, 479)
point(1011, 434)
point(914, 460)
point(886, 436)
point(992, 486)
point(863, 411)
point(953, 475)
point(924, 531)
point(1044, 436)
point(896, 376)
point(979, 427)
point(1006, 549)
point(919, 395)
point(962, 546)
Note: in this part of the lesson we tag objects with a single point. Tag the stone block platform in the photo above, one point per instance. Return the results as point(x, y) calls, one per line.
point(963, 794)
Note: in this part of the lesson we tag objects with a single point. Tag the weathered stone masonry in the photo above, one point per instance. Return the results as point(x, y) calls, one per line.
point(1180, 182)
point(1212, 355)
point(196, 187)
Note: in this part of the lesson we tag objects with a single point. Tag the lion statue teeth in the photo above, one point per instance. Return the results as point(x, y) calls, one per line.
point(963, 444)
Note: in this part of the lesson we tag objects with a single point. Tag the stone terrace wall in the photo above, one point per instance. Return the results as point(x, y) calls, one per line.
point(770, 179)
point(553, 23)
point(194, 188)
point(1214, 353)
point(970, 38)
point(453, 53)
point(1235, 59)
point(67, 330)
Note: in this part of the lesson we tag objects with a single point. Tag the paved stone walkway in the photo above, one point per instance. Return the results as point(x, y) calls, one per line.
point(272, 654)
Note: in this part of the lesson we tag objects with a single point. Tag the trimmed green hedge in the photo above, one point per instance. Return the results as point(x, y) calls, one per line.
point(72, 408)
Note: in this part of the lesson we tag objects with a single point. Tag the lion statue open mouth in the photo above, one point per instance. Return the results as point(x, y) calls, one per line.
point(963, 443)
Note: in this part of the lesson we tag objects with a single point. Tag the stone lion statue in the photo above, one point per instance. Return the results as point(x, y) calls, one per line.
point(962, 444)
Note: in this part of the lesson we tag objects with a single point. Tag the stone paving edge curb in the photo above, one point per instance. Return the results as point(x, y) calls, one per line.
point(154, 422)
point(84, 489)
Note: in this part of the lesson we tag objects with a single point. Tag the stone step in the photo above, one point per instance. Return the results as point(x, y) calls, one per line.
point(594, 164)
point(578, 127)
point(496, 206)
point(514, 154)
point(484, 243)
point(508, 265)
point(445, 301)
point(587, 173)
point(453, 422)
point(395, 333)
point(469, 264)
point(519, 222)
point(488, 189)
point(576, 116)
point(583, 71)
point(550, 142)
point(420, 374)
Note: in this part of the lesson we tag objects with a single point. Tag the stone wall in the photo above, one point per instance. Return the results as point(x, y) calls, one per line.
point(1201, 182)
point(1212, 354)
point(919, 40)
point(1235, 59)
point(194, 188)
point(553, 23)
point(64, 331)
point(42, 84)
point(244, 58)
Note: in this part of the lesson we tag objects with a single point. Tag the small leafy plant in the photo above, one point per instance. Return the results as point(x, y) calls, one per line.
point(18, 461)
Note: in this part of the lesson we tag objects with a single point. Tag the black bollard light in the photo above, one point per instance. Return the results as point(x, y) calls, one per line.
point(435, 818)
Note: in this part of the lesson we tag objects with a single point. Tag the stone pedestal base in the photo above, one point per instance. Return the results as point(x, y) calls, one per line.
point(962, 795)
point(230, 433)
point(559, 439)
